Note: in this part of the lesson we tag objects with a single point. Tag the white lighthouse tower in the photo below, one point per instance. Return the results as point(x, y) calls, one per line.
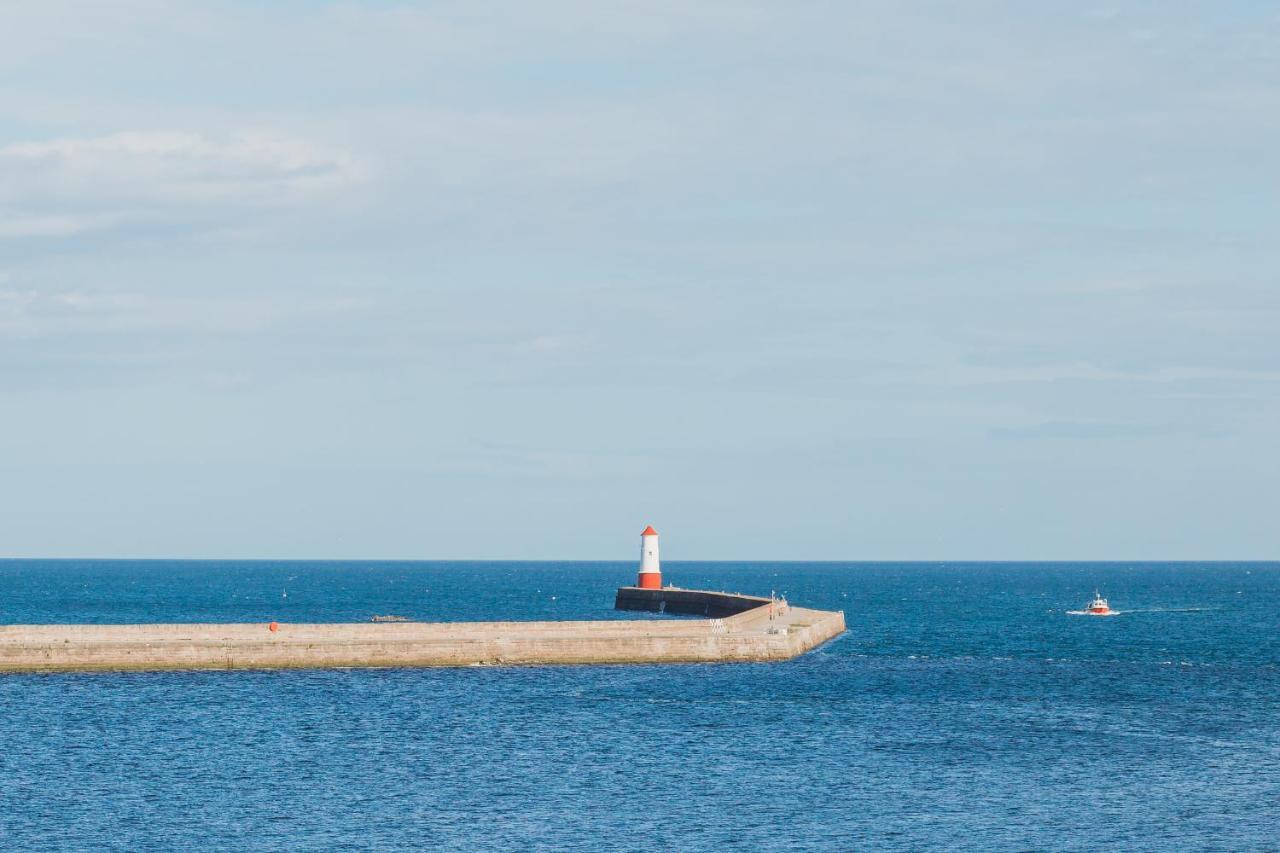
point(650, 576)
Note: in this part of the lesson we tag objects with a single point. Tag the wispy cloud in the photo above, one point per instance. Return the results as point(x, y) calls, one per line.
point(1079, 372)
point(1098, 431)
point(69, 185)
point(20, 225)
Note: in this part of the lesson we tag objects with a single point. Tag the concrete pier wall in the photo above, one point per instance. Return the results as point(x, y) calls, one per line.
point(750, 635)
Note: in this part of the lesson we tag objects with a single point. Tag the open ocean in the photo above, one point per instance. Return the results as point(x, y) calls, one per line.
point(964, 709)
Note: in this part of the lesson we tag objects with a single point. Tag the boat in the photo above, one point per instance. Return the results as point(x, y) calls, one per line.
point(389, 619)
point(1099, 606)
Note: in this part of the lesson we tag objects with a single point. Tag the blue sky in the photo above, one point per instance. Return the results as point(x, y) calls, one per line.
point(855, 280)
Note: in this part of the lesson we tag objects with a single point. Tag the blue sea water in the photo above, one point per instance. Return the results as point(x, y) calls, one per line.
point(964, 709)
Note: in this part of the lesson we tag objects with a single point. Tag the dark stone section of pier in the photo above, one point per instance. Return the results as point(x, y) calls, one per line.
point(686, 602)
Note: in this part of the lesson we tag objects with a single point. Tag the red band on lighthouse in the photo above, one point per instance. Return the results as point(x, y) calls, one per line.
point(650, 576)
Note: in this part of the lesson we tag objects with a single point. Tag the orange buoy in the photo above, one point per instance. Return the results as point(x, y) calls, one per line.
point(273, 627)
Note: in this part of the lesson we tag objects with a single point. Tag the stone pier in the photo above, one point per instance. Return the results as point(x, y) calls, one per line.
point(739, 629)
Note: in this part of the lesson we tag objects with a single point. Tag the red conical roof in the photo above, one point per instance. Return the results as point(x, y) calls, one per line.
point(649, 531)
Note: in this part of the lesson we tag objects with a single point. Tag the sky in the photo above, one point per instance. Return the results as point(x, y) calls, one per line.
point(805, 280)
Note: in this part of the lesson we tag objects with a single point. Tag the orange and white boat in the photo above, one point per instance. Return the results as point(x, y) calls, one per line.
point(1099, 606)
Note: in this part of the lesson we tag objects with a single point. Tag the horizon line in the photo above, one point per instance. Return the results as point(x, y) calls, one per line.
point(628, 561)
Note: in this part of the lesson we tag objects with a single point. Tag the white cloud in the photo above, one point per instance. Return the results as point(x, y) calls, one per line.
point(66, 186)
point(964, 374)
point(18, 225)
point(556, 343)
point(31, 313)
point(35, 311)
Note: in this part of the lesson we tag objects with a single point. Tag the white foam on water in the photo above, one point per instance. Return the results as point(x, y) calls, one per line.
point(1174, 610)
point(1143, 610)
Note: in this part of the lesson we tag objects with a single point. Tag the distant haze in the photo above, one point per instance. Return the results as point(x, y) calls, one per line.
point(856, 280)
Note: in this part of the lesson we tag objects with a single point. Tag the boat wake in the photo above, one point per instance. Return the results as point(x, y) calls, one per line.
point(1146, 610)
point(1174, 610)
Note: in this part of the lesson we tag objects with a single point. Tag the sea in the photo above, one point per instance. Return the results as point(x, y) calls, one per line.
point(966, 708)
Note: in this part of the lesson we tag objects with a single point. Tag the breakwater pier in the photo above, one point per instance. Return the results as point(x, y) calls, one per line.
point(758, 631)
point(733, 628)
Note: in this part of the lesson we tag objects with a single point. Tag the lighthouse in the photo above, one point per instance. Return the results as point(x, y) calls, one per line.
point(650, 576)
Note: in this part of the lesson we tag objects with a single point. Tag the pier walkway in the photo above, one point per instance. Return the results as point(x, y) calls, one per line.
point(740, 629)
